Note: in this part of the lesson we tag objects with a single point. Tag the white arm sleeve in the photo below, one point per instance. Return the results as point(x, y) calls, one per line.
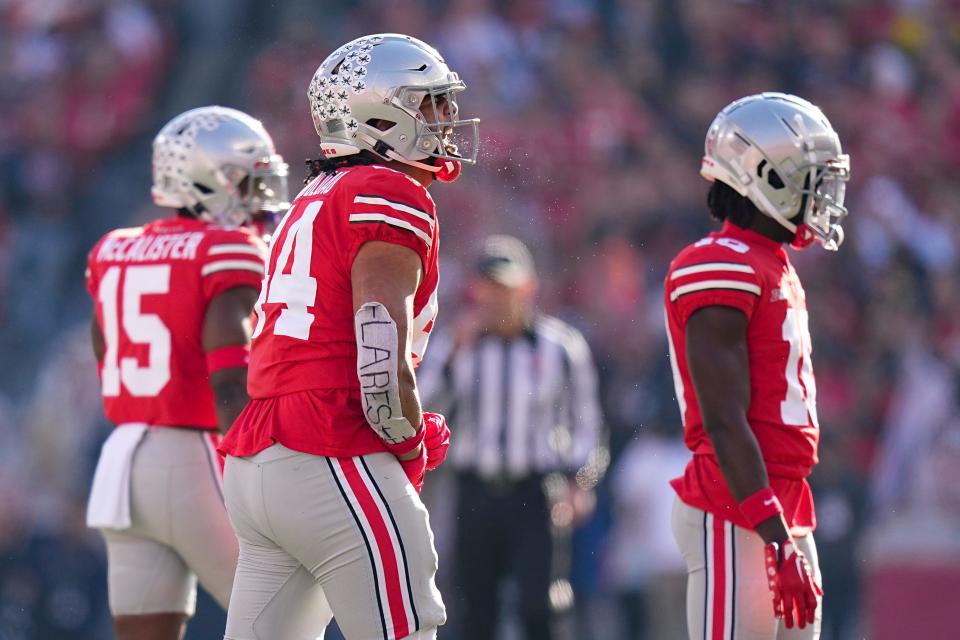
point(586, 415)
point(377, 362)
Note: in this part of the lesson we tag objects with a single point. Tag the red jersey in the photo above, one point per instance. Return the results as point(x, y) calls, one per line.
point(302, 379)
point(742, 269)
point(151, 286)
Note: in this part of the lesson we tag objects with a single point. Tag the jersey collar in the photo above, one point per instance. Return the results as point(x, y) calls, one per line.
point(177, 221)
point(751, 237)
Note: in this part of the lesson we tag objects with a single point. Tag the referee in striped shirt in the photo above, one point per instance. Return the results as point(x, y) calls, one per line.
point(520, 391)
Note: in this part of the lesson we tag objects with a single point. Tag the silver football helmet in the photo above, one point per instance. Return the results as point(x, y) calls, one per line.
point(219, 164)
point(781, 152)
point(394, 96)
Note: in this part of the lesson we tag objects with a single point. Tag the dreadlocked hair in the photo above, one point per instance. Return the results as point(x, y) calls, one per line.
point(726, 204)
point(324, 165)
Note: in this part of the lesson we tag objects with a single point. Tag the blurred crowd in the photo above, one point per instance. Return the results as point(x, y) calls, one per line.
point(593, 115)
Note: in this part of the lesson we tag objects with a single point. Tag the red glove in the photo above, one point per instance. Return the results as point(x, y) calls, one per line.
point(415, 469)
point(792, 584)
point(436, 439)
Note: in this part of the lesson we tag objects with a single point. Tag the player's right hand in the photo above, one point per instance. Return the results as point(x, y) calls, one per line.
point(436, 439)
point(415, 468)
point(791, 583)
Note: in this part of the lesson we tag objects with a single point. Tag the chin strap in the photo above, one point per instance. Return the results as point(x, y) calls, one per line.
point(446, 171)
point(449, 170)
point(803, 238)
point(806, 236)
point(393, 155)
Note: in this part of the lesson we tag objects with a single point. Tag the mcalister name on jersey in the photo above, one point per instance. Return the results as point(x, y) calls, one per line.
point(148, 247)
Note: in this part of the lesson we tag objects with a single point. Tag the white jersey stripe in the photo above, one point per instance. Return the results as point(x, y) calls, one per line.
point(675, 369)
point(714, 284)
point(235, 248)
point(519, 358)
point(711, 266)
point(396, 206)
point(491, 354)
point(396, 222)
point(231, 265)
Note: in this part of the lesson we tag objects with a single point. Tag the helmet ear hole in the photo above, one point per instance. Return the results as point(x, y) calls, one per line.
point(774, 180)
point(381, 124)
point(801, 212)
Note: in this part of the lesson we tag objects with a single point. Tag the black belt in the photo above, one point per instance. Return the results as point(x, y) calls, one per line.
point(503, 482)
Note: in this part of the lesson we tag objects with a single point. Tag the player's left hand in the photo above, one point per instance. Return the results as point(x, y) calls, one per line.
point(436, 439)
point(415, 468)
point(791, 583)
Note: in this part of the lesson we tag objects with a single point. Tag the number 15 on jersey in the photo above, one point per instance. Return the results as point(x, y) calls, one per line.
point(124, 311)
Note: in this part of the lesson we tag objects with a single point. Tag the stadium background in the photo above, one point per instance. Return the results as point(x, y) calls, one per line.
point(593, 114)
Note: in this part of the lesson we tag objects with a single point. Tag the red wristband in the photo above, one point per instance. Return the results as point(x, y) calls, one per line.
point(225, 357)
point(407, 445)
point(760, 506)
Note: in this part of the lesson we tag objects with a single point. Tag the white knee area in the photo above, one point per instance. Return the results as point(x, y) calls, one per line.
point(423, 634)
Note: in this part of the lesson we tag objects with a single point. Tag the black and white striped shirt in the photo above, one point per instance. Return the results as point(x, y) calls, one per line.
point(520, 405)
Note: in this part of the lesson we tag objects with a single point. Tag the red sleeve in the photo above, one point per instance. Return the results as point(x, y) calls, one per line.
point(390, 207)
point(712, 276)
point(90, 276)
point(231, 258)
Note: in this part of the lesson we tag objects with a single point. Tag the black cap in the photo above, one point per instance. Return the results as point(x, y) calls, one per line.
point(506, 260)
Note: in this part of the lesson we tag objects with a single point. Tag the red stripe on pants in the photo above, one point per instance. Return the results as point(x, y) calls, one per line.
point(384, 546)
point(719, 579)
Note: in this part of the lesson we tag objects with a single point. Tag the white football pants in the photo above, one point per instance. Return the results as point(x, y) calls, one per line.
point(727, 593)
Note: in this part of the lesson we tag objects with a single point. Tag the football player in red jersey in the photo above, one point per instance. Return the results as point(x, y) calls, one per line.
point(325, 464)
point(171, 335)
point(740, 350)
